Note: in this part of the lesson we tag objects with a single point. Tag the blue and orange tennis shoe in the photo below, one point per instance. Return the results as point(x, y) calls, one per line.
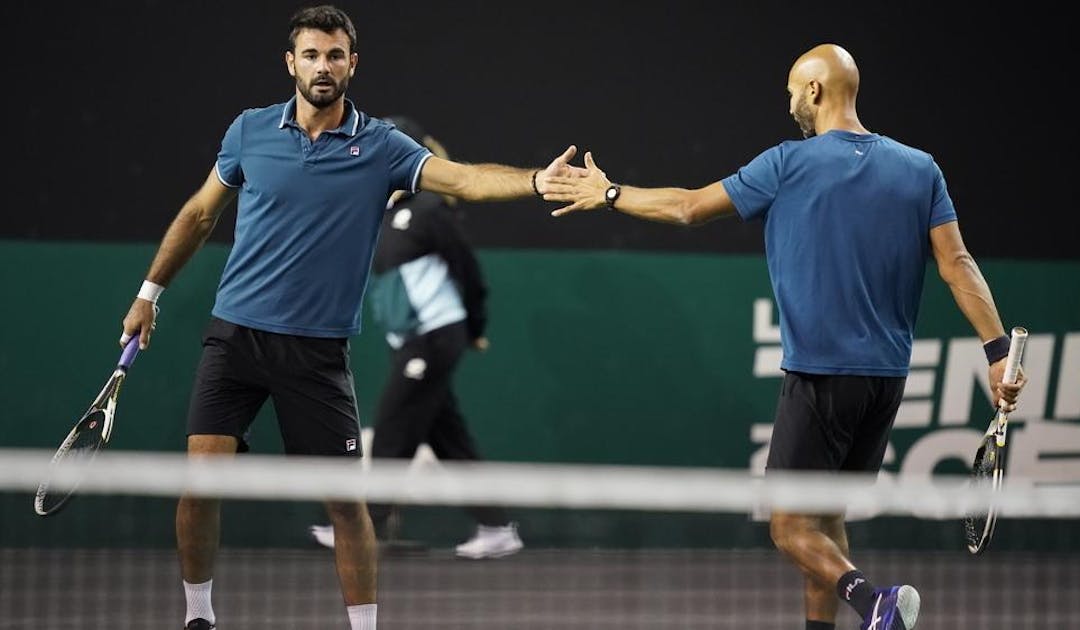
point(895, 608)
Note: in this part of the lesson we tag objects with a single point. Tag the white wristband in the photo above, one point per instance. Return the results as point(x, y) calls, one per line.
point(150, 291)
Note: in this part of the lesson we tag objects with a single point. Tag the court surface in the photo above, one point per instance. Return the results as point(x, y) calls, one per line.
point(565, 589)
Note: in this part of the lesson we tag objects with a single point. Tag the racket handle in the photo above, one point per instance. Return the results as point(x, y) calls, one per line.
point(127, 357)
point(1016, 354)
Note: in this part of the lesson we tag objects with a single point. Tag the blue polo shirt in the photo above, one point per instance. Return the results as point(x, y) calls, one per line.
point(308, 217)
point(847, 238)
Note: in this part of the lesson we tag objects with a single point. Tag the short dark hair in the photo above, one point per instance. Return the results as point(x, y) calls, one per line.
point(326, 18)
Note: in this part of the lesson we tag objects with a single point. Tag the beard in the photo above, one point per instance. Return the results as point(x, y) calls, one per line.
point(324, 98)
point(804, 117)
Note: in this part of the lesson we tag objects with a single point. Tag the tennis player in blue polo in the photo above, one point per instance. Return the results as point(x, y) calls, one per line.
point(851, 218)
point(313, 176)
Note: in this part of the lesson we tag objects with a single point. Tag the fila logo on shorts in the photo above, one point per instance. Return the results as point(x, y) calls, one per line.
point(350, 444)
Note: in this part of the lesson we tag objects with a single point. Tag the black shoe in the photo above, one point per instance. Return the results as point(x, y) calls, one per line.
point(199, 624)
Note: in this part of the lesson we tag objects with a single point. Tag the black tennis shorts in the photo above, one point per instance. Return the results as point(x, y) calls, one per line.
point(833, 422)
point(308, 378)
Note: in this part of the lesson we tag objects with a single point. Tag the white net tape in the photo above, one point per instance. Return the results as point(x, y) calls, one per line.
point(535, 485)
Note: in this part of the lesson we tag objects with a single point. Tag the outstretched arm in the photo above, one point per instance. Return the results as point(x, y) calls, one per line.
point(492, 182)
point(186, 234)
point(958, 269)
point(679, 206)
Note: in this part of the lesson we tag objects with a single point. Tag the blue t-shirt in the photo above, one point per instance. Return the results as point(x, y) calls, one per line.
point(308, 217)
point(847, 238)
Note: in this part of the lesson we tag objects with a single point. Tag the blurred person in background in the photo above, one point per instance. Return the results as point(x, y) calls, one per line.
point(428, 295)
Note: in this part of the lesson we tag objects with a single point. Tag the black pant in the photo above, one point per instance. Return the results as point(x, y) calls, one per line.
point(418, 406)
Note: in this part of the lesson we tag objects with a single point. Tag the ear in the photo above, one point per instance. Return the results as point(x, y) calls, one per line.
point(290, 62)
point(353, 60)
point(813, 92)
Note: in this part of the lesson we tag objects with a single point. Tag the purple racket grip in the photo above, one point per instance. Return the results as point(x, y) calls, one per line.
point(127, 357)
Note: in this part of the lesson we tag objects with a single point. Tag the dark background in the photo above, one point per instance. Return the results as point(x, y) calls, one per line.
point(118, 107)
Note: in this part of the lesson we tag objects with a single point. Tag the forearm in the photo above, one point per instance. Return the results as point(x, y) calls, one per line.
point(187, 233)
point(663, 205)
point(973, 297)
point(494, 182)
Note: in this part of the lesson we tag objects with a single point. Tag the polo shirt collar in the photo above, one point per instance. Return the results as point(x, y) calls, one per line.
point(354, 119)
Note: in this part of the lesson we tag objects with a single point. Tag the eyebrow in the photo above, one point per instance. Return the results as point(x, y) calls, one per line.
point(335, 49)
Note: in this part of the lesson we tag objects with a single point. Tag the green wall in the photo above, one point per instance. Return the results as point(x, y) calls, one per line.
point(596, 357)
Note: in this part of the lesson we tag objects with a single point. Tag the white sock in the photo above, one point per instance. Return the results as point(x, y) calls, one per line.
point(362, 616)
point(198, 601)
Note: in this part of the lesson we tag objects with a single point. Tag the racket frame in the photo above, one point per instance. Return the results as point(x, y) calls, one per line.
point(996, 438)
point(104, 402)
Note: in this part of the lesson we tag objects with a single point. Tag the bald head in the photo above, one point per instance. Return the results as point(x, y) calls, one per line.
point(823, 83)
point(830, 65)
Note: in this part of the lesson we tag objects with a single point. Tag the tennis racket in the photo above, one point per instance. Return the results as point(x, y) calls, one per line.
point(988, 467)
point(86, 438)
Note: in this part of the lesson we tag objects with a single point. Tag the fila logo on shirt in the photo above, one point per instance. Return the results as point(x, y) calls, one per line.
point(350, 444)
point(354, 150)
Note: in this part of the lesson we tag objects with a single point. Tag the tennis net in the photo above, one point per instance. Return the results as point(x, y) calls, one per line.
point(605, 546)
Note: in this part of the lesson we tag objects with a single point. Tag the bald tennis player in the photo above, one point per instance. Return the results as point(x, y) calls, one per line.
point(851, 219)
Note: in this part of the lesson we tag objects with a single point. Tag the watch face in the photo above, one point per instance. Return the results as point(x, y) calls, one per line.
point(612, 193)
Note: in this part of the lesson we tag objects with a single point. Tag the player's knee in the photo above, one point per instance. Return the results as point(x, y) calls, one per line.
point(784, 531)
point(778, 532)
point(346, 511)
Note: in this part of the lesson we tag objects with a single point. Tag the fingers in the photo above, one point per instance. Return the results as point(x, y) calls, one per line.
point(559, 187)
point(141, 321)
point(575, 207)
point(568, 154)
point(1010, 392)
point(143, 333)
point(589, 162)
point(1008, 396)
point(560, 164)
point(566, 197)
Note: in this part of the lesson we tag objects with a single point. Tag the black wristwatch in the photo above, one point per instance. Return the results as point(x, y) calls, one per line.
point(611, 195)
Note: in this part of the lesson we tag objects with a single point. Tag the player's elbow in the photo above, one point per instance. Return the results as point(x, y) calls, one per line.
point(465, 188)
point(957, 266)
point(199, 219)
point(689, 210)
point(466, 183)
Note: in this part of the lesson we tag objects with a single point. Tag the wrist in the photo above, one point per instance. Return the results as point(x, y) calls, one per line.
point(150, 291)
point(536, 189)
point(611, 195)
point(996, 349)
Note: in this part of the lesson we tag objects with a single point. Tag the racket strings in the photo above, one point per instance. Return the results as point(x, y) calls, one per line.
point(985, 473)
